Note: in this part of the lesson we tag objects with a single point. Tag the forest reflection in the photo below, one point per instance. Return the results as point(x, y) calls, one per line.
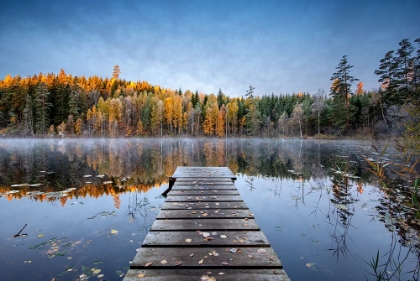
point(44, 170)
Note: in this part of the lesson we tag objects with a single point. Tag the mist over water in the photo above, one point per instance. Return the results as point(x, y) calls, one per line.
point(88, 204)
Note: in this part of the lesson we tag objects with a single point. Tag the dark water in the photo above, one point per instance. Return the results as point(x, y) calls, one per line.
point(85, 206)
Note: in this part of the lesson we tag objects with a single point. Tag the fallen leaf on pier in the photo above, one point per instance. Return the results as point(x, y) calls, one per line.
point(148, 264)
point(200, 261)
point(141, 275)
point(178, 263)
point(223, 236)
point(260, 251)
point(188, 240)
point(164, 262)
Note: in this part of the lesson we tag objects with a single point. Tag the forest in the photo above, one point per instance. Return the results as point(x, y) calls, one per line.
point(48, 105)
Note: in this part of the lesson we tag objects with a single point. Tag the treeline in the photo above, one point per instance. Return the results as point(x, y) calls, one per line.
point(49, 104)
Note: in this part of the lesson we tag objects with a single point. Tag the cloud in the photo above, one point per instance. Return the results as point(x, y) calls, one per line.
point(277, 46)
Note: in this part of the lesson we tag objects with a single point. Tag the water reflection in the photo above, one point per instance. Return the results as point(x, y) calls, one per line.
point(327, 182)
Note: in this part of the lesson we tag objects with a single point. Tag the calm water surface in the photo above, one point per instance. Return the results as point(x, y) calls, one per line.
point(79, 209)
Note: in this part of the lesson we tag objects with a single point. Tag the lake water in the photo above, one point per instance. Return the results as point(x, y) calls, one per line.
point(79, 208)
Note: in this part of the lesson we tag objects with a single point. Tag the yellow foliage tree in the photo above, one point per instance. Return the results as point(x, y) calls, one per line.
point(360, 90)
point(220, 125)
point(78, 126)
point(139, 130)
point(167, 113)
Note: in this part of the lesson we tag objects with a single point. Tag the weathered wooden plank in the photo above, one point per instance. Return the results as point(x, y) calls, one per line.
point(208, 183)
point(218, 213)
point(195, 238)
point(204, 187)
point(205, 180)
point(203, 205)
point(207, 192)
point(212, 198)
point(182, 171)
point(204, 224)
point(209, 257)
point(202, 175)
point(223, 274)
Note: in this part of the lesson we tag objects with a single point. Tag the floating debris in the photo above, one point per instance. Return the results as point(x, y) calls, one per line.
point(34, 193)
point(20, 185)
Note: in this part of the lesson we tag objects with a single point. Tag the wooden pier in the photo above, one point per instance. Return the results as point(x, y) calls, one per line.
point(205, 231)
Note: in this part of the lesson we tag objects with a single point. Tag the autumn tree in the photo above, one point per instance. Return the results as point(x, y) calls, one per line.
point(297, 117)
point(116, 72)
point(232, 115)
point(168, 111)
point(318, 106)
point(360, 90)
point(177, 113)
point(209, 125)
point(221, 122)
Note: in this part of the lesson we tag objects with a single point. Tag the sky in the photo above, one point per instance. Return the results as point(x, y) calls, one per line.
point(279, 46)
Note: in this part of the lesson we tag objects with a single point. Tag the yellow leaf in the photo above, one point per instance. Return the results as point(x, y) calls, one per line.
point(148, 264)
point(141, 275)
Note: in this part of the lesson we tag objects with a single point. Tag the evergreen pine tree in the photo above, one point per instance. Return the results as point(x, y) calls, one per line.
point(42, 107)
point(341, 91)
point(28, 129)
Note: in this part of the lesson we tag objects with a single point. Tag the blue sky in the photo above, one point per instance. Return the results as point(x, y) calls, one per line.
point(279, 46)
